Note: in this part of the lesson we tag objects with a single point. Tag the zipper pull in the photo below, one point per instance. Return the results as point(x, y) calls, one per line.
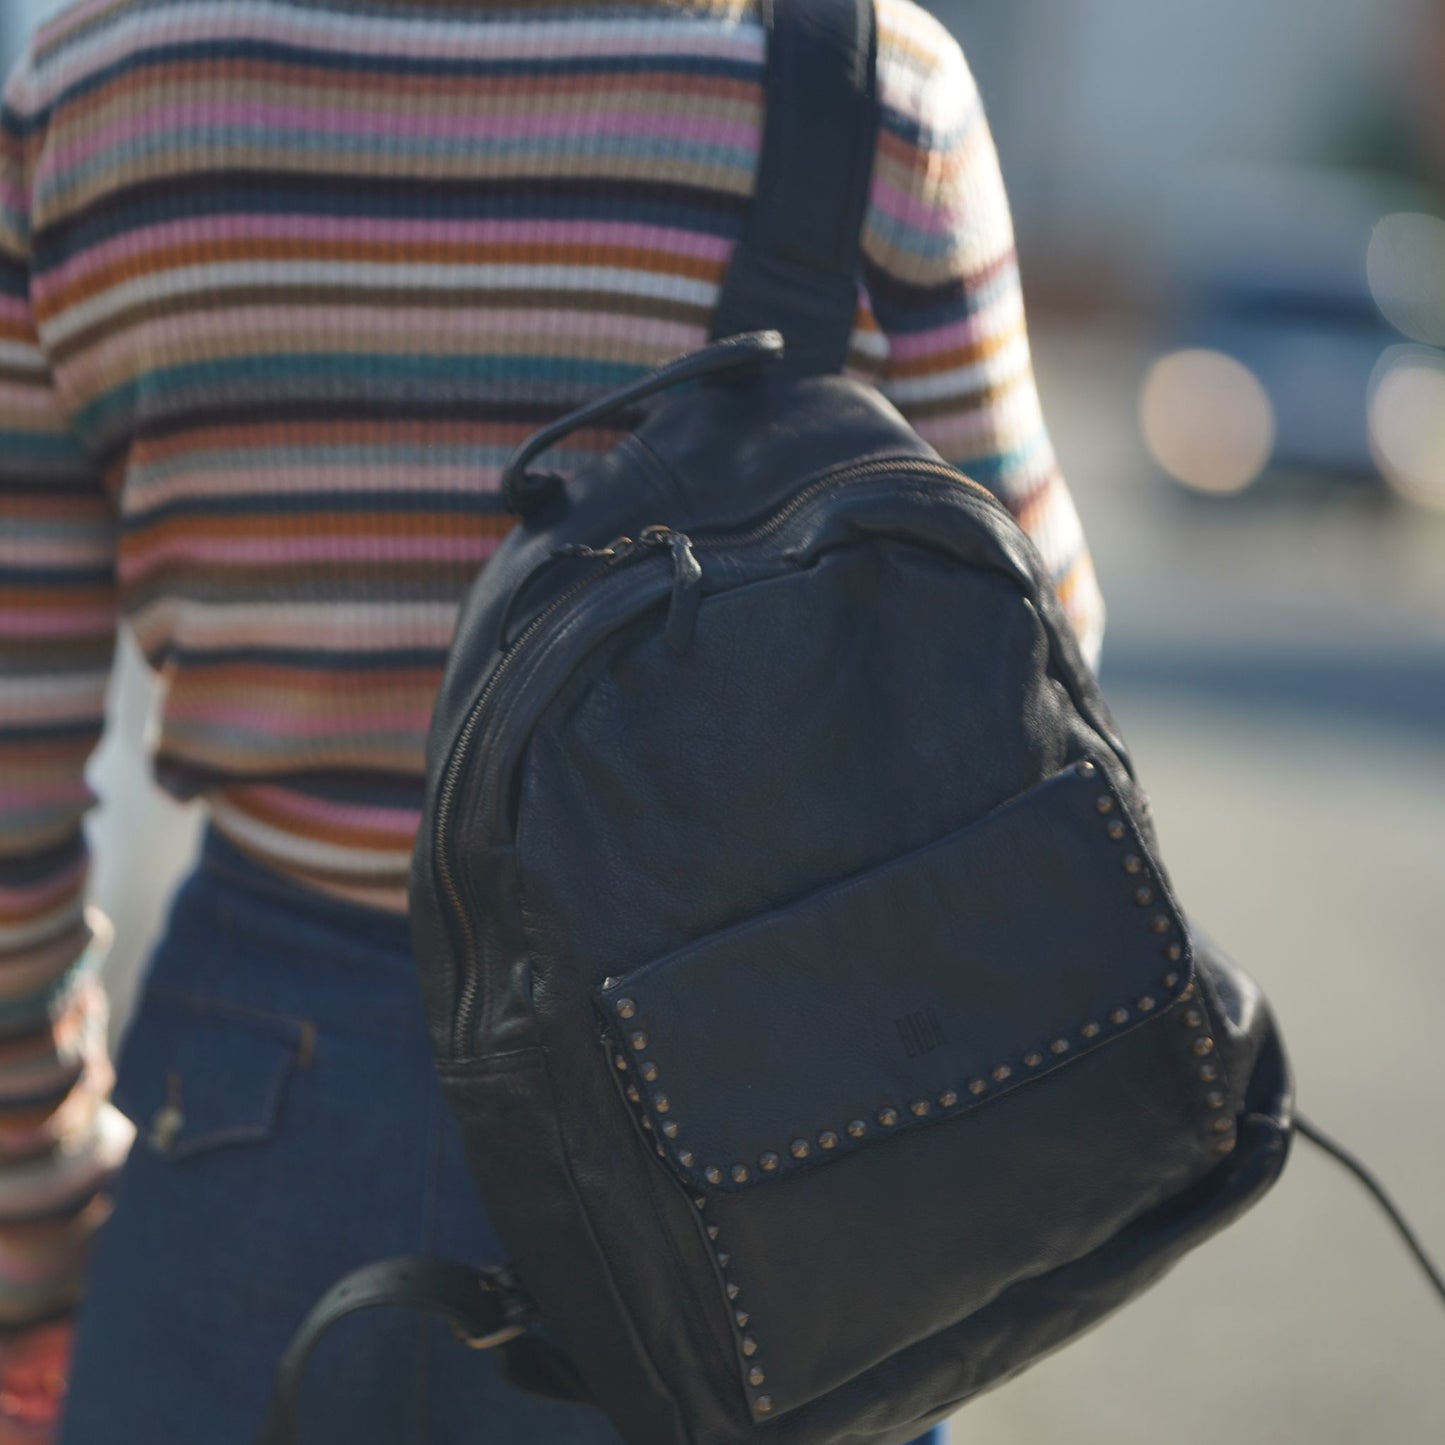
point(686, 593)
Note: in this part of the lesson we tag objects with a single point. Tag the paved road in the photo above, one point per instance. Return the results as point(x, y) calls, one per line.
point(1279, 670)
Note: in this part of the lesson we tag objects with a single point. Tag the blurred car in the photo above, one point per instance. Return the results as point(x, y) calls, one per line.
point(1309, 325)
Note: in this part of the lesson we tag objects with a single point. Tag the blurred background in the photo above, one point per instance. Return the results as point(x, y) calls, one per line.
point(1231, 220)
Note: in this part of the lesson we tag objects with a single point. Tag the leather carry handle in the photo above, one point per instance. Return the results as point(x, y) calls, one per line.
point(526, 492)
point(485, 1306)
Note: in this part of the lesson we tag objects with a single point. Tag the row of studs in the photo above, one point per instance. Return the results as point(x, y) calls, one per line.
point(1201, 1044)
point(756, 1376)
point(769, 1161)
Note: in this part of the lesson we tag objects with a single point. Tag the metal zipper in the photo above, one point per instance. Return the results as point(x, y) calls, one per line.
point(622, 550)
point(612, 556)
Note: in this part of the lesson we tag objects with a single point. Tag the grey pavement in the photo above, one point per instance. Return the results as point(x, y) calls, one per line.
point(1279, 668)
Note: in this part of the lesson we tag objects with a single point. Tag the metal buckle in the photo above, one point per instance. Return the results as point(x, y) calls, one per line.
point(488, 1342)
point(491, 1284)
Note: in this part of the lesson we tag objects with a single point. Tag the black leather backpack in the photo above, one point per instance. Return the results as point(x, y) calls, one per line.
point(816, 1007)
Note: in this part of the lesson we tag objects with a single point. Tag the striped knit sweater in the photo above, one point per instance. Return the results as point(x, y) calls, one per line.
point(281, 284)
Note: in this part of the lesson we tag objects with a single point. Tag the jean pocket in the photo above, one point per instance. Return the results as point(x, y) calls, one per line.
point(199, 1074)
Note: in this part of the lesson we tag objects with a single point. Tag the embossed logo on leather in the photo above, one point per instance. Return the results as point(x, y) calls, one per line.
point(921, 1032)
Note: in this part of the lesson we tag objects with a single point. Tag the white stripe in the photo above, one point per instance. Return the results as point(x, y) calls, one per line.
point(20, 357)
point(425, 37)
point(301, 276)
point(997, 370)
point(344, 626)
point(304, 853)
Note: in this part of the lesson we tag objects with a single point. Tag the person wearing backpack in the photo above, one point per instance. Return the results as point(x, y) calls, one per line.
point(281, 287)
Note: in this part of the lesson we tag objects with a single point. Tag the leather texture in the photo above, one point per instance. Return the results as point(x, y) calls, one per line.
point(824, 1033)
point(796, 265)
point(484, 1307)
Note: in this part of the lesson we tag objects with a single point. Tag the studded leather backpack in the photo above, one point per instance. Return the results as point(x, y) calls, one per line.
point(824, 1030)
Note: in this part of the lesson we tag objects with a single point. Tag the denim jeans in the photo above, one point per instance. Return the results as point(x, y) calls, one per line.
point(279, 1072)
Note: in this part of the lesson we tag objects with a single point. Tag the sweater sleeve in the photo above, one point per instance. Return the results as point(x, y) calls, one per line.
point(59, 1137)
point(943, 280)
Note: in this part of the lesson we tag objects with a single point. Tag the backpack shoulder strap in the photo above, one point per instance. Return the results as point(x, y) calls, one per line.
point(795, 269)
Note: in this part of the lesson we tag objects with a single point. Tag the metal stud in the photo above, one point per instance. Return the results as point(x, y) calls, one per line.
point(741, 1173)
point(638, 1040)
point(919, 1107)
point(634, 1094)
point(1133, 863)
point(723, 1259)
point(948, 1098)
point(1208, 1073)
point(1033, 1060)
point(1090, 1030)
point(686, 1158)
point(699, 1201)
point(1174, 952)
point(1116, 830)
point(648, 1070)
point(1215, 1099)
point(1225, 1146)
point(856, 1128)
point(1161, 923)
point(1191, 1018)
point(1119, 1016)
point(1059, 1046)
point(768, 1162)
point(1003, 1072)
point(827, 1140)
point(1203, 1046)
point(1188, 993)
point(742, 1317)
point(1085, 768)
point(977, 1087)
point(713, 1231)
point(887, 1117)
point(1146, 1004)
point(800, 1149)
point(1223, 1126)
point(1143, 896)
point(661, 1103)
point(1104, 803)
point(756, 1376)
point(647, 1124)
point(626, 1008)
point(763, 1404)
point(733, 1293)
point(749, 1345)
point(621, 1062)
point(712, 1174)
point(1171, 980)
point(671, 1128)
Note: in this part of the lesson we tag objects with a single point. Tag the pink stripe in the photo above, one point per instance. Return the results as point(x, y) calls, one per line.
point(370, 231)
point(401, 821)
point(379, 547)
point(15, 310)
point(963, 332)
point(489, 41)
point(340, 721)
point(65, 794)
point(39, 622)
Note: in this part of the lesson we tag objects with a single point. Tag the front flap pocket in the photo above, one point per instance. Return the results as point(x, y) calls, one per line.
point(198, 1074)
point(921, 990)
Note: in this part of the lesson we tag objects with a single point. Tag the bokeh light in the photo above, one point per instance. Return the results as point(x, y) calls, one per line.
point(1407, 423)
point(1207, 421)
point(1406, 269)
